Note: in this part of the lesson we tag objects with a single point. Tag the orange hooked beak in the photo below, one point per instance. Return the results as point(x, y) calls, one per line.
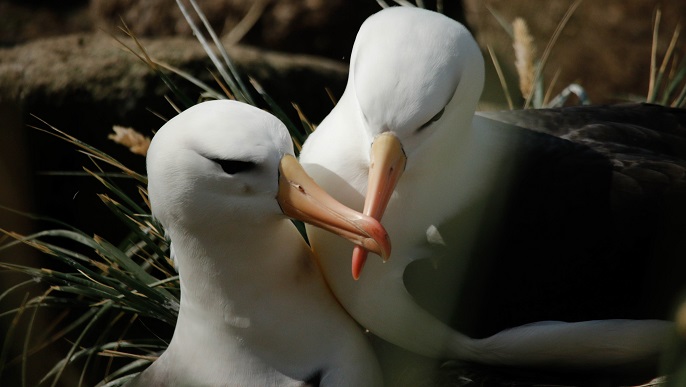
point(386, 165)
point(301, 198)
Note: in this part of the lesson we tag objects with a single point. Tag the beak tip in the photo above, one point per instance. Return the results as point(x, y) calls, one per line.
point(358, 260)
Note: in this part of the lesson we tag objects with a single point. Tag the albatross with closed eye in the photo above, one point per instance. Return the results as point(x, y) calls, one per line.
point(553, 282)
point(255, 309)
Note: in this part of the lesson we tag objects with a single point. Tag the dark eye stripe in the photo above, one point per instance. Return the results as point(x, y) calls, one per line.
point(432, 120)
point(235, 166)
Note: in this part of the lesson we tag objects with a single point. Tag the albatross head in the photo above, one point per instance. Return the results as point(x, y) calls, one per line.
point(416, 77)
point(224, 164)
point(412, 72)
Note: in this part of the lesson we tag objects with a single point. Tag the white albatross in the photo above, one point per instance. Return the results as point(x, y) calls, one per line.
point(254, 310)
point(404, 136)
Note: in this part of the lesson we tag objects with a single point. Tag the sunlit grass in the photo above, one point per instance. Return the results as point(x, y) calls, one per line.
point(530, 67)
point(667, 79)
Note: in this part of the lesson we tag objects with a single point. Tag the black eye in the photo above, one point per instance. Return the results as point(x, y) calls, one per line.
point(235, 166)
point(432, 120)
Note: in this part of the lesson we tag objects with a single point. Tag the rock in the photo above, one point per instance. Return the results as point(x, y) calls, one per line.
point(21, 21)
point(315, 27)
point(86, 83)
point(320, 27)
point(94, 68)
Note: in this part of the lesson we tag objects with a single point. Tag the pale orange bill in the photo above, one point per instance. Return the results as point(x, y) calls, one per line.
point(301, 198)
point(386, 165)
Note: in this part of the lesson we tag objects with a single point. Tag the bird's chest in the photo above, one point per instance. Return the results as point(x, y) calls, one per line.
point(346, 182)
point(428, 199)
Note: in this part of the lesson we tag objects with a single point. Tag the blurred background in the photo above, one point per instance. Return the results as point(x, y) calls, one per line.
point(60, 63)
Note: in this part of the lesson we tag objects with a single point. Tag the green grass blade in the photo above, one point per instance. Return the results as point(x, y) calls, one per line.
point(227, 60)
point(206, 88)
point(99, 313)
point(278, 112)
point(213, 57)
point(9, 334)
point(12, 289)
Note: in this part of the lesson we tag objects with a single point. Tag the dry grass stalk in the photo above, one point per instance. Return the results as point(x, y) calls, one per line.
point(551, 43)
point(525, 51)
point(681, 320)
point(653, 57)
point(501, 77)
point(128, 137)
point(248, 22)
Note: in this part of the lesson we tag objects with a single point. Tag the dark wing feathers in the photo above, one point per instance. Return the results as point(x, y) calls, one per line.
point(593, 224)
point(645, 143)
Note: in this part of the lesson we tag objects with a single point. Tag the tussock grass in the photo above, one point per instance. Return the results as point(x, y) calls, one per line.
point(529, 69)
point(107, 290)
point(107, 287)
point(668, 81)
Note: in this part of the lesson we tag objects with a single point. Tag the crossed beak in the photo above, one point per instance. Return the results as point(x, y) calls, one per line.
point(301, 198)
point(386, 165)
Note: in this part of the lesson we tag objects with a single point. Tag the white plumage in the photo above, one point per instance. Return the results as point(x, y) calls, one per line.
point(416, 77)
point(254, 309)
